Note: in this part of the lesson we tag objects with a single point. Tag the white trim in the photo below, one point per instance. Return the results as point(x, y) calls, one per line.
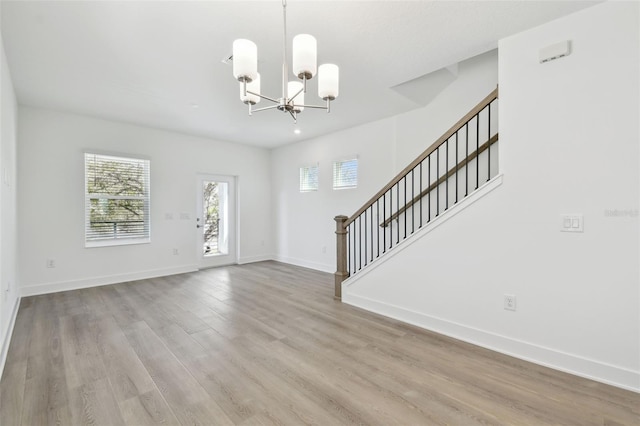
point(306, 264)
point(574, 364)
point(7, 338)
point(254, 259)
point(479, 193)
point(111, 242)
point(38, 289)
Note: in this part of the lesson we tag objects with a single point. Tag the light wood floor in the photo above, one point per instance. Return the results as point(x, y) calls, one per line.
point(265, 344)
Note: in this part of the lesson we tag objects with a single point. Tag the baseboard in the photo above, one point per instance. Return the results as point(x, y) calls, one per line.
point(548, 357)
point(254, 259)
point(34, 290)
point(306, 264)
point(7, 338)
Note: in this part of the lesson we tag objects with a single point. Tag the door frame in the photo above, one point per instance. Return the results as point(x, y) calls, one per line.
point(231, 258)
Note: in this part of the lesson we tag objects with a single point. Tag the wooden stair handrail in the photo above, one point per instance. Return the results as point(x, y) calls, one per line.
point(475, 110)
point(441, 180)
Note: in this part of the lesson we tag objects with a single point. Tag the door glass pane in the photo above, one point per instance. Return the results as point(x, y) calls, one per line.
point(215, 227)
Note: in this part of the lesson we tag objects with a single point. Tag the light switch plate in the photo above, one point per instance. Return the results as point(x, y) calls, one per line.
point(571, 223)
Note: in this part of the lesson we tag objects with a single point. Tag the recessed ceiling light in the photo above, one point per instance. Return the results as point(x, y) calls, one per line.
point(195, 106)
point(296, 131)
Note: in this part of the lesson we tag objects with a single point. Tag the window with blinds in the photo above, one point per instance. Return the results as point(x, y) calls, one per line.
point(116, 200)
point(345, 174)
point(309, 178)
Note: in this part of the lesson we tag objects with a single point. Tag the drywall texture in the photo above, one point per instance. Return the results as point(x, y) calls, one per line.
point(569, 143)
point(8, 240)
point(304, 221)
point(51, 199)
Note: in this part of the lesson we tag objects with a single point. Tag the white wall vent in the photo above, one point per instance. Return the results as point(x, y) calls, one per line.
point(555, 51)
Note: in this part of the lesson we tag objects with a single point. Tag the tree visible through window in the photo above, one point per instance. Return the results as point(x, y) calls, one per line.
point(211, 217)
point(116, 200)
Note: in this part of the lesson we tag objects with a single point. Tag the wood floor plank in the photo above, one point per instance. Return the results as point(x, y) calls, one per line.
point(93, 403)
point(12, 388)
point(266, 344)
point(126, 373)
point(173, 380)
point(46, 395)
point(147, 409)
point(81, 358)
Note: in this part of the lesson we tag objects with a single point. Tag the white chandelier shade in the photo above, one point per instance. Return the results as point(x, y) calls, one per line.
point(245, 60)
point(328, 81)
point(304, 66)
point(295, 92)
point(305, 52)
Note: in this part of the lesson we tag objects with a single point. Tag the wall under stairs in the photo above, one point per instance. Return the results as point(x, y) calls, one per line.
point(569, 144)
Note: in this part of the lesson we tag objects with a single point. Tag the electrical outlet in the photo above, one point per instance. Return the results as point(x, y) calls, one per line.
point(51, 263)
point(175, 252)
point(510, 302)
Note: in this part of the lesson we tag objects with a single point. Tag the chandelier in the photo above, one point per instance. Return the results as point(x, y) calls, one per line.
point(245, 70)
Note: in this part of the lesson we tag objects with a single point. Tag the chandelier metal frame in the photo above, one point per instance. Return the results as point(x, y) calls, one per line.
point(286, 103)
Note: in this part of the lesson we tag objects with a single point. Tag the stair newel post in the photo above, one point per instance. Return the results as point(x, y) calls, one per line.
point(341, 255)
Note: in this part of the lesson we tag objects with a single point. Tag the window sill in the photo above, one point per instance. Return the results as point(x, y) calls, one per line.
point(117, 242)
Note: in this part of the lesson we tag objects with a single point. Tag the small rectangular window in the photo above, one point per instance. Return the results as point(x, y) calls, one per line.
point(345, 174)
point(116, 200)
point(309, 178)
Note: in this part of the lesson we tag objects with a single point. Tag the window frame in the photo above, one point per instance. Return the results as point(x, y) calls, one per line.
point(340, 163)
point(146, 198)
point(308, 168)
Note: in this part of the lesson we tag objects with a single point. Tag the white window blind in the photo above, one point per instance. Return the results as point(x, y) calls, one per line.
point(345, 174)
point(309, 178)
point(116, 200)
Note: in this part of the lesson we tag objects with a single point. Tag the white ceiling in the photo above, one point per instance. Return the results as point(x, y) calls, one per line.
point(159, 63)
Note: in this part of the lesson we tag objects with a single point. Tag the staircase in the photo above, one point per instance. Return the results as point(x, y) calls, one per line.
point(462, 160)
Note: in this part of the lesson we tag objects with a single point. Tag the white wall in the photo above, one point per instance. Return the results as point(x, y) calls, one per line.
point(51, 199)
point(569, 143)
point(9, 296)
point(417, 129)
point(304, 221)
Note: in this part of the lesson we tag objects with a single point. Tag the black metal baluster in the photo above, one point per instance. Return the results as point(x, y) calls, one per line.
point(457, 166)
point(384, 221)
point(477, 150)
point(360, 242)
point(398, 212)
point(391, 217)
point(446, 178)
point(466, 160)
point(378, 225)
point(371, 224)
point(365, 237)
point(429, 188)
point(421, 193)
point(348, 252)
point(405, 205)
point(489, 142)
point(437, 181)
point(413, 201)
point(354, 248)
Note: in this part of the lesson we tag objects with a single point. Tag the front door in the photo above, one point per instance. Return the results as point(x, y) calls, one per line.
point(215, 221)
